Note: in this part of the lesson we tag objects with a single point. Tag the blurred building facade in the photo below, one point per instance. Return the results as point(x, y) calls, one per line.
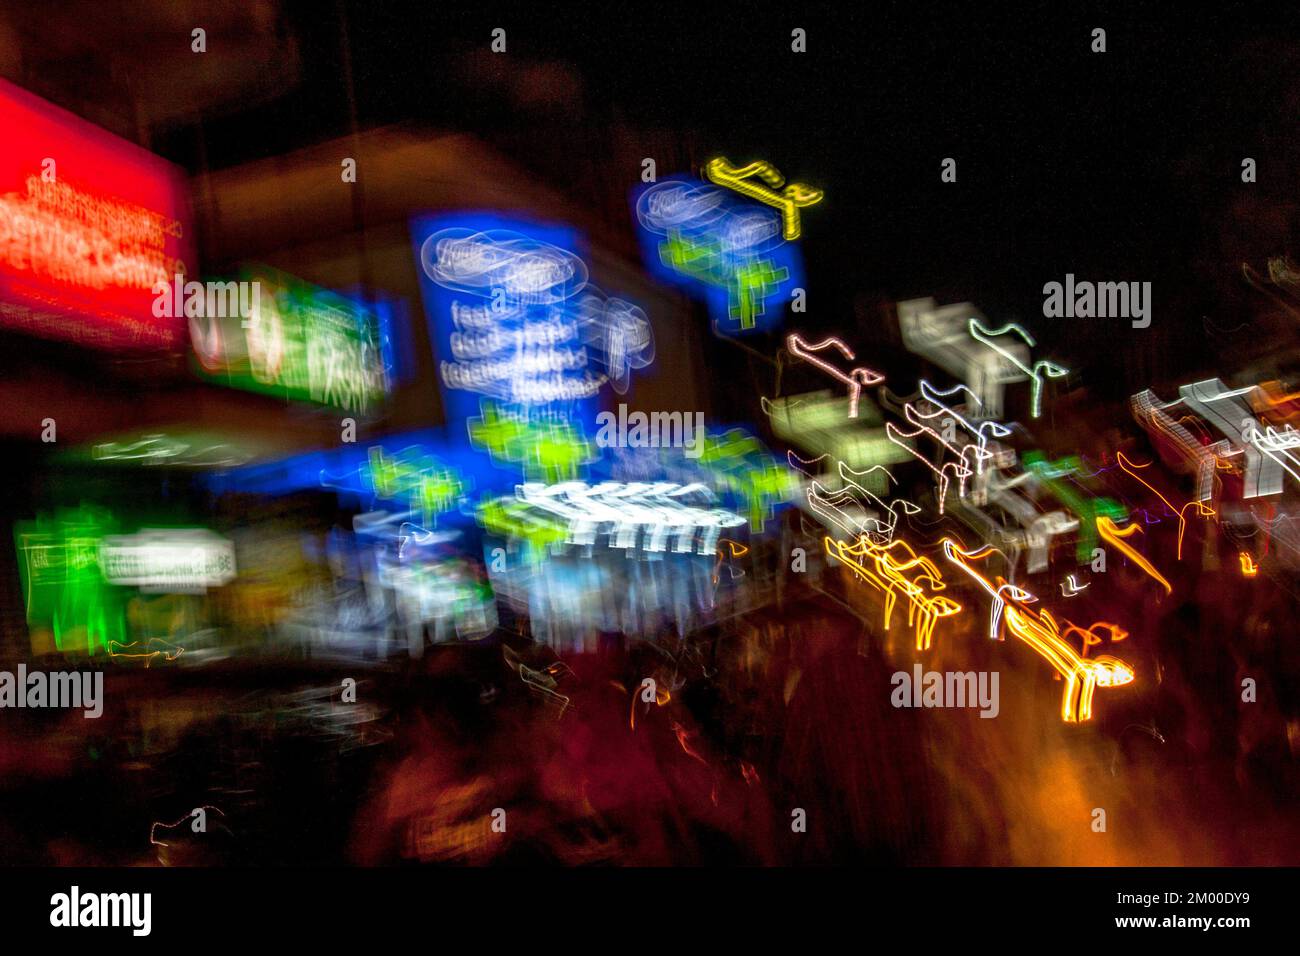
point(292, 210)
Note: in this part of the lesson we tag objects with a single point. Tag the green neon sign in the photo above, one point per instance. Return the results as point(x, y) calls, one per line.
point(299, 341)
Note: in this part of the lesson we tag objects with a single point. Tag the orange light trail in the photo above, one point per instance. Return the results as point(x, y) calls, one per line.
point(1089, 635)
point(1115, 535)
point(1201, 509)
point(1082, 676)
point(737, 550)
point(661, 697)
point(157, 647)
point(1040, 631)
point(876, 565)
point(684, 738)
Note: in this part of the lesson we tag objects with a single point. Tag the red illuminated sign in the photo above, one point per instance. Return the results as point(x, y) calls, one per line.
point(89, 223)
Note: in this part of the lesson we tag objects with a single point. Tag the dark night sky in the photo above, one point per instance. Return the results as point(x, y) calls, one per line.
point(1116, 166)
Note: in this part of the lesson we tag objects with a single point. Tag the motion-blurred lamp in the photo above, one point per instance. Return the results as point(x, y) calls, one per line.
point(89, 225)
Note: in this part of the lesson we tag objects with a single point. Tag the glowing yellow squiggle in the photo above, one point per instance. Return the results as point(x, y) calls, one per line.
point(787, 201)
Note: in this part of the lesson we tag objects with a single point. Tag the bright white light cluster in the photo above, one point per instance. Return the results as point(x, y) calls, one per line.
point(652, 516)
point(168, 560)
point(535, 331)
